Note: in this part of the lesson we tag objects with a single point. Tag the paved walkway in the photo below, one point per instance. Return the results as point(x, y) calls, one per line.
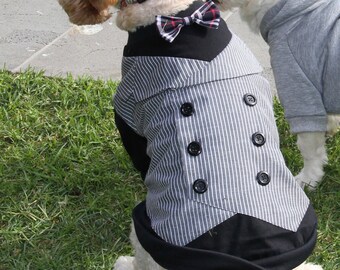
point(37, 33)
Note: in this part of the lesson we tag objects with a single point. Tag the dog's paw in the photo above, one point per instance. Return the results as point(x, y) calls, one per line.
point(312, 173)
point(124, 263)
point(308, 266)
point(309, 182)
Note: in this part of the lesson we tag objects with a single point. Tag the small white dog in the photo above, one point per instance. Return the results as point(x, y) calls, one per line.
point(196, 117)
point(304, 40)
point(171, 235)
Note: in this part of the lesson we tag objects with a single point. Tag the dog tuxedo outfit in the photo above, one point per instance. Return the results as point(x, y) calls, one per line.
point(196, 118)
point(304, 40)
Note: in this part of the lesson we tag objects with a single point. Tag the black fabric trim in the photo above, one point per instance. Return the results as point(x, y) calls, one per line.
point(135, 145)
point(211, 257)
point(253, 239)
point(193, 42)
point(173, 257)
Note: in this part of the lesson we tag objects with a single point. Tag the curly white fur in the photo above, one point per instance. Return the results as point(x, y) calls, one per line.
point(134, 16)
point(251, 11)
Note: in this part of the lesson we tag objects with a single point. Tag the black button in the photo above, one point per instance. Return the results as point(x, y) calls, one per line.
point(263, 178)
point(250, 99)
point(187, 109)
point(200, 186)
point(258, 139)
point(194, 149)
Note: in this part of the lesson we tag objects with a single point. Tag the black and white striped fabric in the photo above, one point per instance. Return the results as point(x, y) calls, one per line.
point(223, 125)
point(207, 15)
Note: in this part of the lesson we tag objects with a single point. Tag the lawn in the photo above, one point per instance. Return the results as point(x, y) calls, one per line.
point(67, 186)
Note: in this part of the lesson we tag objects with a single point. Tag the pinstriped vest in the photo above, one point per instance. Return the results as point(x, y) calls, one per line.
point(226, 158)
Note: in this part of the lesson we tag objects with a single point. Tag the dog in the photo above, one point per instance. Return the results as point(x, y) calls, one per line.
point(195, 115)
point(304, 40)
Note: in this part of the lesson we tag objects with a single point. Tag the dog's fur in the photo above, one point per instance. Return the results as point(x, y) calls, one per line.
point(310, 144)
point(137, 15)
point(83, 12)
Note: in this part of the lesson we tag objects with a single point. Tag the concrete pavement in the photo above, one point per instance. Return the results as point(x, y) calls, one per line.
point(37, 33)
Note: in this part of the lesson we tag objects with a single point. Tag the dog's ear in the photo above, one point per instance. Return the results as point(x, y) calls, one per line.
point(82, 12)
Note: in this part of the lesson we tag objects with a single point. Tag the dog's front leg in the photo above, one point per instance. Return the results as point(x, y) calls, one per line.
point(313, 151)
point(128, 262)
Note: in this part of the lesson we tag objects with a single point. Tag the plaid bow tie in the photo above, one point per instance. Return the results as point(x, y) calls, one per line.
point(207, 15)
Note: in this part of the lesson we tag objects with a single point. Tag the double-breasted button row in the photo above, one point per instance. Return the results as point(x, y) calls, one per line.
point(258, 139)
point(194, 148)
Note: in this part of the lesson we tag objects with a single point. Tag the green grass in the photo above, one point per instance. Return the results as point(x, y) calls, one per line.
point(67, 187)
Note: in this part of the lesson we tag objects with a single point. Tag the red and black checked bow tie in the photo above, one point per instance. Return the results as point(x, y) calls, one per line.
point(207, 15)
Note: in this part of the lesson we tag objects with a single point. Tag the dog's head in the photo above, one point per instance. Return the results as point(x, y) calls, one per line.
point(82, 12)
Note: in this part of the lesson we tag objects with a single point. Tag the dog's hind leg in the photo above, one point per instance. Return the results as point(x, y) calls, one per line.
point(141, 261)
point(308, 266)
point(313, 151)
point(128, 262)
point(124, 263)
